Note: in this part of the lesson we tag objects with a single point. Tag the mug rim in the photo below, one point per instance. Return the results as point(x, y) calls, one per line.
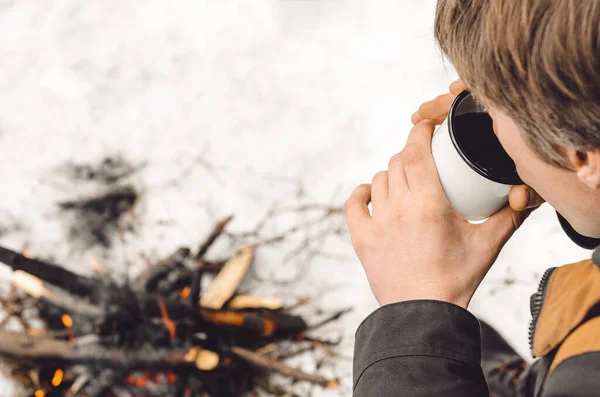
point(502, 179)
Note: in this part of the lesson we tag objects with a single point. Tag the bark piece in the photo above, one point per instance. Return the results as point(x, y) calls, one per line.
point(247, 301)
point(227, 281)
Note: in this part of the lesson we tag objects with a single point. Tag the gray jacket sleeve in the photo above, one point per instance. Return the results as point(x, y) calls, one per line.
point(417, 349)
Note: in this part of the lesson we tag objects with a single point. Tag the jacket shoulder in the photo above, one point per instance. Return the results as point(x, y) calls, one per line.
point(574, 369)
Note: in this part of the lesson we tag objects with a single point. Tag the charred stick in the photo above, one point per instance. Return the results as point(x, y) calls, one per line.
point(213, 266)
point(277, 366)
point(196, 288)
point(151, 278)
point(215, 233)
point(48, 272)
point(281, 325)
point(304, 338)
point(47, 350)
point(330, 319)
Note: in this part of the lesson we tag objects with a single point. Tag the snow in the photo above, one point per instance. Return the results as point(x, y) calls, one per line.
point(288, 100)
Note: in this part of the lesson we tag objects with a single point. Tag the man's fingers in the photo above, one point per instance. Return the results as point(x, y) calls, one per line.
point(398, 184)
point(522, 197)
point(421, 173)
point(379, 190)
point(416, 119)
point(356, 207)
point(436, 109)
point(457, 87)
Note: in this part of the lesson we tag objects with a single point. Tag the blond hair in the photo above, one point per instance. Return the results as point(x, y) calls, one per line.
point(536, 60)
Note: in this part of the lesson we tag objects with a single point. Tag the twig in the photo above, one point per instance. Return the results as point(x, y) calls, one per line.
point(215, 233)
point(276, 366)
point(332, 318)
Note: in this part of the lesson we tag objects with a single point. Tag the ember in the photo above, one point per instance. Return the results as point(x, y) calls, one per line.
point(160, 335)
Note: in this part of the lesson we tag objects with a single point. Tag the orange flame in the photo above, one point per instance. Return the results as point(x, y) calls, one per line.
point(67, 321)
point(57, 378)
point(185, 293)
point(171, 377)
point(39, 393)
point(166, 319)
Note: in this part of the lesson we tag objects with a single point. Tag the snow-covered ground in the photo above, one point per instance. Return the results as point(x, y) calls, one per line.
point(289, 101)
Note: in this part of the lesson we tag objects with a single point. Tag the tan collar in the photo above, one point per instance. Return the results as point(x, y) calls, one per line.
point(572, 291)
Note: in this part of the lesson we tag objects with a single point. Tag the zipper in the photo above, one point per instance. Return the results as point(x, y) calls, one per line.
point(536, 304)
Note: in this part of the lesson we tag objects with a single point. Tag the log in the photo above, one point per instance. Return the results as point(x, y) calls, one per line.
point(20, 347)
point(280, 324)
point(228, 280)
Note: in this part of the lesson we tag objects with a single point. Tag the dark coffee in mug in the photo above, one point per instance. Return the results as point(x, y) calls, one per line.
point(475, 138)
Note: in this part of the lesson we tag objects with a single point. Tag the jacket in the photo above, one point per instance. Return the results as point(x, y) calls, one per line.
point(431, 348)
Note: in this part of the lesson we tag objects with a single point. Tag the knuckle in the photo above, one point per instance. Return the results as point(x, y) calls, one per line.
point(439, 98)
point(396, 159)
point(380, 175)
point(348, 204)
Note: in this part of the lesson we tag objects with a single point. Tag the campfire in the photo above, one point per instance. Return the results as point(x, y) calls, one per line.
point(160, 335)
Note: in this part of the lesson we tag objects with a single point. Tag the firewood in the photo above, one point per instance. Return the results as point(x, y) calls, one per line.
point(227, 281)
point(38, 289)
point(247, 301)
point(280, 324)
point(39, 349)
point(205, 360)
point(277, 366)
point(48, 272)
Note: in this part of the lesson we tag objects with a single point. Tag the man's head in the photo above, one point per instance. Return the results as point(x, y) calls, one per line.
point(535, 64)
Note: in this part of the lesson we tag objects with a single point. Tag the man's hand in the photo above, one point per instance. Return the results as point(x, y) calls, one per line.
point(521, 197)
point(414, 245)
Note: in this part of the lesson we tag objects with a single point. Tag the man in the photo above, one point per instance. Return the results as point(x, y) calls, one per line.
point(535, 65)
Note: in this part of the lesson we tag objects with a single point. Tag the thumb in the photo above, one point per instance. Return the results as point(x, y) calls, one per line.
point(502, 225)
point(522, 197)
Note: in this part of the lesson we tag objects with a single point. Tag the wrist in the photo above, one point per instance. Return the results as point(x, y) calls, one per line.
point(458, 300)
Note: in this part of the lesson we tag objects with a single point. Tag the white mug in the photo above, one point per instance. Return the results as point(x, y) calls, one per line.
point(475, 172)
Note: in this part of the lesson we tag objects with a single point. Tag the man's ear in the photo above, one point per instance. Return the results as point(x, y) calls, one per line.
point(587, 165)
